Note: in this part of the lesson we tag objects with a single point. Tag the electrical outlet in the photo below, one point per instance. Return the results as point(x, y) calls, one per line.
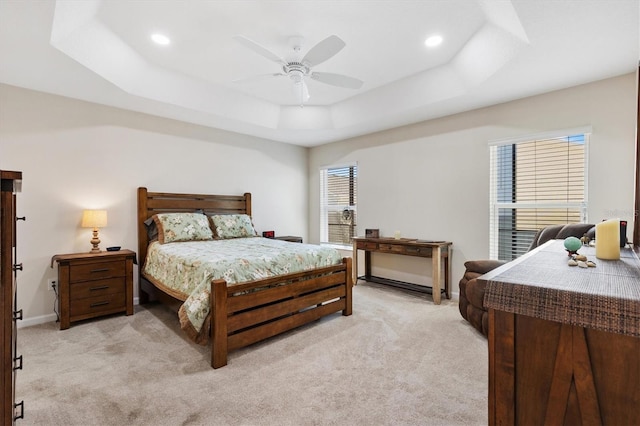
point(50, 283)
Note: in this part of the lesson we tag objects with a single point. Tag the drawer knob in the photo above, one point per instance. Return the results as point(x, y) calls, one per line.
point(93, 271)
point(94, 305)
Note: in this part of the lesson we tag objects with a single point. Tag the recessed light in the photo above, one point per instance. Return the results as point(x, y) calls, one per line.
point(160, 39)
point(433, 41)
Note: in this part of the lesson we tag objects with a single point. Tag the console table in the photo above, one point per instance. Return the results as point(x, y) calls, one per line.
point(439, 251)
point(564, 342)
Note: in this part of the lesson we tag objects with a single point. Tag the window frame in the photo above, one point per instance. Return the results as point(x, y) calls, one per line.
point(495, 206)
point(325, 207)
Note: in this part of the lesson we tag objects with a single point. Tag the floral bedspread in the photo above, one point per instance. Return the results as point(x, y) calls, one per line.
point(185, 269)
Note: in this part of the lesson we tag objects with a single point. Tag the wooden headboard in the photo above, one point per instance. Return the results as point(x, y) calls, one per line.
point(150, 203)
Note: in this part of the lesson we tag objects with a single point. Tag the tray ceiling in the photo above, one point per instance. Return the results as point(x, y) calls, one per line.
point(492, 52)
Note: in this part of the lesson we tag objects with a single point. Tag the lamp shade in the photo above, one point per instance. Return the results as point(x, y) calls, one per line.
point(94, 219)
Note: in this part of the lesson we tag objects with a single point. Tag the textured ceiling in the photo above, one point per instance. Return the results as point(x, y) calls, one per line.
point(493, 51)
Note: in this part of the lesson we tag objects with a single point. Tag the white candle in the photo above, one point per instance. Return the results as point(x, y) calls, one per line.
point(608, 239)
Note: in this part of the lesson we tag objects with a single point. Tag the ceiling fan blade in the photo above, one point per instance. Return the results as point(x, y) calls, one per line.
point(323, 51)
point(337, 80)
point(258, 77)
point(259, 49)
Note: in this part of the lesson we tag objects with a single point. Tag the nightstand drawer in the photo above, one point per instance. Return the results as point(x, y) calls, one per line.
point(91, 305)
point(96, 271)
point(82, 290)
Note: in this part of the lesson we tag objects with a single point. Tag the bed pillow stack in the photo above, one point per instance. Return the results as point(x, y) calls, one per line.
point(176, 227)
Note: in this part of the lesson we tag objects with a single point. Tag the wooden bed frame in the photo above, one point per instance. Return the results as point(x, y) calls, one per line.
point(270, 307)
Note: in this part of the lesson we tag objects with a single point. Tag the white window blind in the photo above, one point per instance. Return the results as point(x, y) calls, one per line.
point(535, 183)
point(338, 201)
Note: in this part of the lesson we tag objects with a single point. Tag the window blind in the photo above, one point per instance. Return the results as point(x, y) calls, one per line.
point(338, 192)
point(534, 184)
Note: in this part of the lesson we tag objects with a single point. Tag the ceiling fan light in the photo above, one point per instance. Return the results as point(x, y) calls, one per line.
point(301, 92)
point(296, 75)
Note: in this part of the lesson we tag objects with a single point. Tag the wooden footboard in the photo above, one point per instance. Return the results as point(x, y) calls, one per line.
point(247, 313)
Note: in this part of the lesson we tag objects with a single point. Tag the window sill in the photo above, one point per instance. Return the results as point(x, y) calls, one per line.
point(337, 246)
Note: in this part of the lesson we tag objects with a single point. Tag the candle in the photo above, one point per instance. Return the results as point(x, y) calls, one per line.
point(608, 239)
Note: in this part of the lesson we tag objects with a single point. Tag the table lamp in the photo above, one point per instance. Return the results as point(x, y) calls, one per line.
point(94, 219)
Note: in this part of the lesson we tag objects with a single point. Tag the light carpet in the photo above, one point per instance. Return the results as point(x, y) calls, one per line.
point(398, 360)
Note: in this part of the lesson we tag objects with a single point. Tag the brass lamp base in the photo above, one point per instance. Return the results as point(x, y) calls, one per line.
point(95, 241)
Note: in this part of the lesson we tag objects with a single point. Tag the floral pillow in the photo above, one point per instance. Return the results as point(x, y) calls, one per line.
point(173, 227)
point(232, 226)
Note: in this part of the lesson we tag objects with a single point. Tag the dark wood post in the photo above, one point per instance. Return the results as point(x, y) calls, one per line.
point(218, 323)
point(636, 212)
point(348, 287)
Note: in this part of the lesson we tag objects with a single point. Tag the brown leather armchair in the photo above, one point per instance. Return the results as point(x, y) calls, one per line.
point(471, 303)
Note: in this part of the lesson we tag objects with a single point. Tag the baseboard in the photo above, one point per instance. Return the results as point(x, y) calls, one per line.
point(28, 322)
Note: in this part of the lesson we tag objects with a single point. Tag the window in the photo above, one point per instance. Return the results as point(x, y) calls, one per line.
point(338, 204)
point(535, 183)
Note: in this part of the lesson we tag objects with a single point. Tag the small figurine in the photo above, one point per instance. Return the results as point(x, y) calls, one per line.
point(572, 244)
point(585, 240)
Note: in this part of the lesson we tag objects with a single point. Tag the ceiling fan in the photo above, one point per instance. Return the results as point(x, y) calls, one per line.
point(298, 70)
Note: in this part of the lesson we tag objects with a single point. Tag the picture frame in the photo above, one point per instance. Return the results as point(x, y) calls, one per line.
point(372, 233)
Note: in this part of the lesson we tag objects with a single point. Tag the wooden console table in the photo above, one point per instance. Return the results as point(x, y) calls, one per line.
point(564, 342)
point(439, 251)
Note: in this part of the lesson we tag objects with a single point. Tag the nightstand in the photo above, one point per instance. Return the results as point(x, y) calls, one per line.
point(92, 285)
point(290, 238)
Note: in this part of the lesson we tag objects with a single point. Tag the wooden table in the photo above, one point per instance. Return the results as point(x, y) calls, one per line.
point(564, 342)
point(439, 251)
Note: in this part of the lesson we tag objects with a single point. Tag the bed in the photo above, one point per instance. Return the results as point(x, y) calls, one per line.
point(244, 313)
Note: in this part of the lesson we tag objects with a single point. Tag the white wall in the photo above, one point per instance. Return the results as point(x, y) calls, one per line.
point(431, 180)
point(76, 155)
